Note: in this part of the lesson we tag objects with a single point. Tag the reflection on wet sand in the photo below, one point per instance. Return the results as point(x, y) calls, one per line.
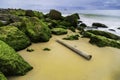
point(62, 64)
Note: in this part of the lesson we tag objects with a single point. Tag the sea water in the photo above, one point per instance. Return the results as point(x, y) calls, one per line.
point(111, 18)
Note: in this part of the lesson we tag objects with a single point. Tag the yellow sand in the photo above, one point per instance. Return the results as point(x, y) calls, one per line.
point(62, 64)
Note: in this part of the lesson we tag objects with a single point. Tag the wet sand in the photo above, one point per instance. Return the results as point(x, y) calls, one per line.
point(62, 64)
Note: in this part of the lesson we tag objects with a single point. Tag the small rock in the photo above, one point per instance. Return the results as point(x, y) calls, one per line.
point(46, 49)
point(30, 49)
point(112, 30)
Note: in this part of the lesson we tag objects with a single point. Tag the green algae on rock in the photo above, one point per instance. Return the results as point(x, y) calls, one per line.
point(14, 37)
point(72, 19)
point(2, 77)
point(37, 30)
point(59, 31)
point(54, 14)
point(30, 50)
point(101, 41)
point(46, 49)
point(72, 37)
point(11, 63)
point(106, 34)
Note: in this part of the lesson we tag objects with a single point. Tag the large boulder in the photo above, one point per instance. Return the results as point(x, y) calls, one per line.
point(14, 37)
point(2, 77)
point(36, 29)
point(29, 13)
point(59, 31)
point(11, 63)
point(72, 19)
point(96, 25)
point(54, 14)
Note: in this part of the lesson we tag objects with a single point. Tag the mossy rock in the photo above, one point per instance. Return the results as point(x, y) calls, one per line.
point(46, 49)
point(65, 23)
point(59, 31)
point(37, 30)
point(72, 19)
point(14, 37)
point(29, 13)
point(2, 77)
point(99, 25)
point(102, 41)
point(1, 23)
point(72, 29)
point(30, 50)
point(83, 25)
point(87, 34)
point(39, 15)
point(54, 14)
point(105, 34)
point(11, 63)
point(72, 37)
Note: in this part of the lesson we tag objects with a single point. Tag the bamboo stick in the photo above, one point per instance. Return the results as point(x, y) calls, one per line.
point(86, 56)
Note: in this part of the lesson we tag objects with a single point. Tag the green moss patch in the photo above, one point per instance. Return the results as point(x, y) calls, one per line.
point(105, 34)
point(11, 63)
point(37, 30)
point(14, 37)
point(72, 37)
point(2, 77)
point(46, 49)
point(59, 31)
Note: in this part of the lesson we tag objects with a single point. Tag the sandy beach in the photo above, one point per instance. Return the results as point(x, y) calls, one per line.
point(63, 64)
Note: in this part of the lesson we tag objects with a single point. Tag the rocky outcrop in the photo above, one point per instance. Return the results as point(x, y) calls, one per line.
point(105, 34)
point(54, 14)
point(36, 29)
point(14, 37)
point(11, 63)
point(97, 25)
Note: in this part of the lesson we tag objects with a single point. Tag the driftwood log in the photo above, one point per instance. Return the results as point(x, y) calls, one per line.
point(86, 56)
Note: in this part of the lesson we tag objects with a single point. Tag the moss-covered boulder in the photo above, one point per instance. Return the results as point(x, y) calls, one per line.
point(99, 25)
point(59, 31)
point(2, 77)
point(106, 34)
point(36, 29)
point(102, 41)
point(72, 19)
point(14, 37)
point(11, 63)
point(29, 13)
point(72, 37)
point(39, 15)
point(54, 14)
point(83, 25)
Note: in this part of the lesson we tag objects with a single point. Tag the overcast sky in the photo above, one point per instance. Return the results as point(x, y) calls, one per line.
point(46, 4)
